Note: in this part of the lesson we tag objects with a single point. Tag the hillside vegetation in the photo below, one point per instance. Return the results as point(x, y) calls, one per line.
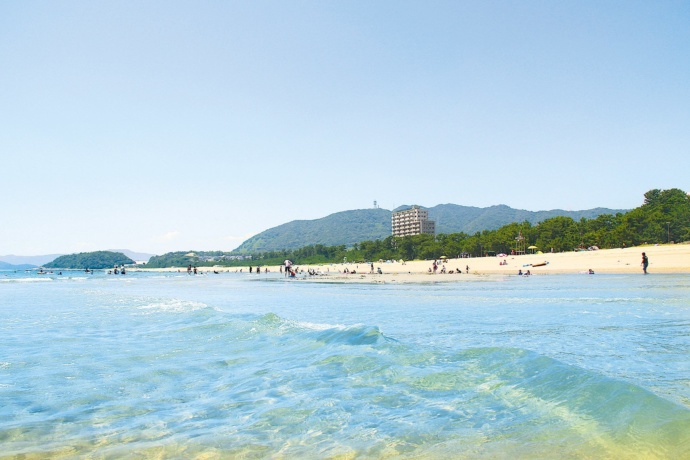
point(92, 260)
point(663, 217)
point(347, 227)
point(452, 218)
point(350, 227)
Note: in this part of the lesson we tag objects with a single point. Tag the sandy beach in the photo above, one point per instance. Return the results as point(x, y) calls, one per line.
point(674, 258)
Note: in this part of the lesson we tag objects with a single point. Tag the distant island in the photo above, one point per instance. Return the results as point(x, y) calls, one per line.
point(33, 261)
point(90, 260)
point(16, 262)
point(7, 266)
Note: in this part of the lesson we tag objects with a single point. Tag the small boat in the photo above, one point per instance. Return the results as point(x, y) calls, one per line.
point(540, 265)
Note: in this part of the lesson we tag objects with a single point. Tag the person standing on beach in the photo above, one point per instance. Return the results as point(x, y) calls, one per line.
point(645, 263)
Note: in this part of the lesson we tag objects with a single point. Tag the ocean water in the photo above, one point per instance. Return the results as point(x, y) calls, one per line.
point(245, 366)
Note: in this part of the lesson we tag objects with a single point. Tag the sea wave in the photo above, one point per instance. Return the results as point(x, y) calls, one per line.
point(354, 335)
point(313, 390)
point(529, 401)
point(25, 280)
point(509, 379)
point(616, 416)
point(325, 333)
point(172, 305)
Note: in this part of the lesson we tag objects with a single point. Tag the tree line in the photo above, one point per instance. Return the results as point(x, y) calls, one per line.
point(663, 217)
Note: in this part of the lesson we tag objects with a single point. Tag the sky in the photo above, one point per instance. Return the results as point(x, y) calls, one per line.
point(161, 126)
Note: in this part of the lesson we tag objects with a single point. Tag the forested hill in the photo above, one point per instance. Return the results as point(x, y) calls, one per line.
point(93, 260)
point(351, 227)
point(347, 227)
point(453, 218)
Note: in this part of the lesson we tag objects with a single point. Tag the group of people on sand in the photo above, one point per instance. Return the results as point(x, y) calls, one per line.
point(347, 271)
point(290, 271)
point(434, 269)
point(378, 269)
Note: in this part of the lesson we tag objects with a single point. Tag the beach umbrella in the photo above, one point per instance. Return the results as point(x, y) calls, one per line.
point(532, 247)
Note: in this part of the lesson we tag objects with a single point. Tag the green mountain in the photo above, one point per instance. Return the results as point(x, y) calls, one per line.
point(351, 227)
point(93, 260)
point(452, 218)
point(347, 227)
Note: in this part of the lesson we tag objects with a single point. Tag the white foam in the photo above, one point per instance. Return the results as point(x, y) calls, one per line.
point(174, 305)
point(317, 326)
point(25, 280)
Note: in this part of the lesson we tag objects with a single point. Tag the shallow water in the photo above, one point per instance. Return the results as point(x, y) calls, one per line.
point(239, 365)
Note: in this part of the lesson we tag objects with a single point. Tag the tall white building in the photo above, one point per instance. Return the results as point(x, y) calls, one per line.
point(413, 221)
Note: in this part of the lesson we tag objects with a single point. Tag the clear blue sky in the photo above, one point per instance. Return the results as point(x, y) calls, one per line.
point(164, 125)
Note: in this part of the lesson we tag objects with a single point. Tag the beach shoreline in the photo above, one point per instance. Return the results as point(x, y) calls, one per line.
point(666, 259)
